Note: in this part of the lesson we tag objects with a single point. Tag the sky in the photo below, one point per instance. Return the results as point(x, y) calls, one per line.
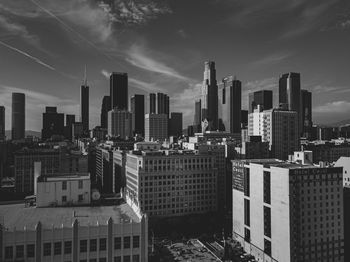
point(162, 45)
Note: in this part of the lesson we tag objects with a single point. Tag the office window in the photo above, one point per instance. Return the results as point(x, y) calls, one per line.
point(80, 198)
point(93, 245)
point(64, 185)
point(64, 198)
point(20, 251)
point(135, 258)
point(83, 260)
point(103, 244)
point(118, 259)
point(117, 243)
point(102, 259)
point(67, 247)
point(126, 259)
point(93, 260)
point(126, 242)
point(8, 252)
point(83, 246)
point(135, 241)
point(47, 249)
point(57, 248)
point(30, 250)
point(80, 184)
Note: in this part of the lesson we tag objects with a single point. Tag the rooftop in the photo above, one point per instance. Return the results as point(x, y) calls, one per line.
point(18, 216)
point(63, 176)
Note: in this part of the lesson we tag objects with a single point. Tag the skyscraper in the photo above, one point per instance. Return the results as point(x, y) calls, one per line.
point(197, 113)
point(156, 127)
point(53, 123)
point(18, 116)
point(137, 104)
point(262, 97)
point(306, 113)
point(162, 104)
point(175, 124)
point(119, 90)
point(106, 106)
point(290, 95)
point(230, 105)
point(70, 120)
point(84, 105)
point(210, 96)
point(120, 123)
point(152, 103)
point(2, 123)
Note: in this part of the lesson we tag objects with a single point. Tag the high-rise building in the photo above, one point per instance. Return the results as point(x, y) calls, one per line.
point(84, 105)
point(262, 98)
point(278, 127)
point(175, 124)
point(230, 105)
point(290, 94)
point(2, 123)
point(18, 116)
point(119, 90)
point(162, 104)
point(197, 113)
point(210, 96)
point(106, 106)
point(137, 106)
point(120, 123)
point(152, 103)
point(70, 120)
point(306, 113)
point(244, 119)
point(288, 212)
point(53, 123)
point(156, 127)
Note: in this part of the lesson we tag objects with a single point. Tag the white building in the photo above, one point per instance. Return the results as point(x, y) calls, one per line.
point(156, 127)
point(345, 163)
point(288, 212)
point(120, 123)
point(278, 127)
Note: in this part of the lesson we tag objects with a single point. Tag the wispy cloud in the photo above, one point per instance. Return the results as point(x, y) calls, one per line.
point(273, 58)
point(333, 107)
point(147, 87)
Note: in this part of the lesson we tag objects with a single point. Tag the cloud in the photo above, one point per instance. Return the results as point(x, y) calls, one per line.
point(273, 58)
point(182, 33)
point(333, 107)
point(148, 87)
point(105, 73)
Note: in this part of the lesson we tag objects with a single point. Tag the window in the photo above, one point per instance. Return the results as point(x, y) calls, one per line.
point(67, 247)
point(103, 244)
point(83, 246)
point(93, 260)
point(135, 258)
point(30, 250)
point(57, 250)
point(126, 242)
point(8, 252)
point(80, 198)
point(64, 198)
point(135, 241)
point(64, 185)
point(19, 251)
point(118, 259)
point(126, 259)
point(93, 245)
point(47, 249)
point(117, 243)
point(80, 184)
point(102, 259)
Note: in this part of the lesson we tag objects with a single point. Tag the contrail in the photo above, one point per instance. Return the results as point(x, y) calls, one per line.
point(37, 60)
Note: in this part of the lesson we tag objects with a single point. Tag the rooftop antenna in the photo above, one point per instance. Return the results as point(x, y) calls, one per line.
point(85, 77)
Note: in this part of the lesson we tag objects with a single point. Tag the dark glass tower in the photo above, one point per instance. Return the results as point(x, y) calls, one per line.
point(152, 103)
point(53, 123)
point(175, 124)
point(18, 116)
point(306, 113)
point(106, 106)
point(84, 105)
point(262, 97)
point(162, 104)
point(230, 105)
point(197, 113)
point(2, 123)
point(119, 90)
point(137, 105)
point(210, 96)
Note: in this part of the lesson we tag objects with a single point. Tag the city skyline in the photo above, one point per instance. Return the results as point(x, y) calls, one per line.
point(161, 50)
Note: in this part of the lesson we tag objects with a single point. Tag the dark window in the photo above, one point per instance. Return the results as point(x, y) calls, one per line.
point(267, 221)
point(19, 251)
point(103, 244)
point(267, 247)
point(246, 212)
point(118, 259)
point(126, 242)
point(8, 252)
point(135, 241)
point(93, 260)
point(135, 258)
point(267, 187)
point(80, 184)
point(30, 250)
point(93, 245)
point(126, 259)
point(47, 249)
point(83, 246)
point(246, 181)
point(247, 235)
point(64, 185)
point(102, 259)
point(57, 250)
point(80, 198)
point(64, 198)
point(67, 247)
point(117, 243)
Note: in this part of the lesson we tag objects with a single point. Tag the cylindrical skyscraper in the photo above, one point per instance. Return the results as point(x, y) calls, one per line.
point(18, 116)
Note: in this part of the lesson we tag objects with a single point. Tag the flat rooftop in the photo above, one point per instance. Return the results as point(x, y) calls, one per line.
point(18, 216)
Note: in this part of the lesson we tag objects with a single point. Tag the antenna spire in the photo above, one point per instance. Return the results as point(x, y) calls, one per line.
point(85, 77)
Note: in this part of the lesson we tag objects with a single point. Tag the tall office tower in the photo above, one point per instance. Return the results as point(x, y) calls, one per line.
point(70, 120)
point(119, 90)
point(175, 124)
point(290, 94)
point(120, 123)
point(162, 104)
point(152, 103)
point(106, 106)
point(53, 123)
point(2, 123)
point(156, 127)
point(197, 113)
point(288, 212)
point(210, 96)
point(230, 105)
point(84, 104)
point(306, 113)
point(244, 119)
point(278, 127)
point(138, 114)
point(262, 98)
point(18, 116)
